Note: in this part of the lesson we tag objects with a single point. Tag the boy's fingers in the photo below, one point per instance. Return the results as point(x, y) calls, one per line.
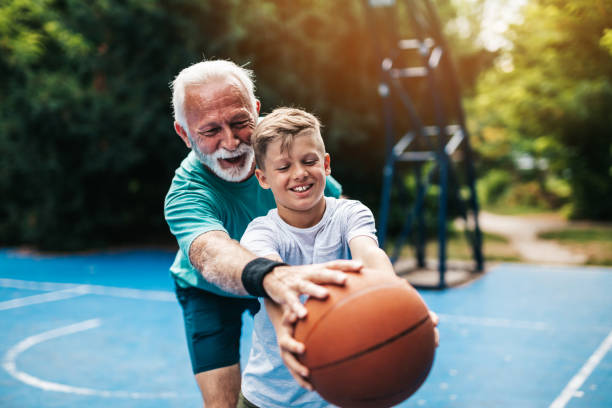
point(434, 318)
point(301, 381)
point(297, 370)
point(288, 343)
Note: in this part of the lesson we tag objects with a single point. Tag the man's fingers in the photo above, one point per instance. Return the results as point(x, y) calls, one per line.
point(344, 265)
point(327, 276)
point(312, 289)
point(293, 305)
point(289, 318)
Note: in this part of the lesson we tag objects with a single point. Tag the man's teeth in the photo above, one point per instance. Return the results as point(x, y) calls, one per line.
point(232, 159)
point(299, 189)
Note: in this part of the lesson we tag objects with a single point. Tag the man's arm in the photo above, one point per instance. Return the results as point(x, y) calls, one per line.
point(221, 261)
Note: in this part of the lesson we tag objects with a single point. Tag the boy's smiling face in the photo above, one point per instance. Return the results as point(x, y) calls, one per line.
point(297, 179)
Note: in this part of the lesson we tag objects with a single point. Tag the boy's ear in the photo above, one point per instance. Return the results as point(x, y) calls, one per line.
point(182, 133)
point(261, 177)
point(326, 164)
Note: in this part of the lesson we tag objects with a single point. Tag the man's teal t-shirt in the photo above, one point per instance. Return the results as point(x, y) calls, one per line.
point(198, 201)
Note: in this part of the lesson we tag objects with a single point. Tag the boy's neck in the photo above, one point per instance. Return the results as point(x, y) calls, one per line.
point(303, 219)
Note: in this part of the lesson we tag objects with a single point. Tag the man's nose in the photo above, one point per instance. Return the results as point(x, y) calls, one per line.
point(229, 140)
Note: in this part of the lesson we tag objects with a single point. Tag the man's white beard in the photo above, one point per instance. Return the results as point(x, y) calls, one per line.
point(234, 173)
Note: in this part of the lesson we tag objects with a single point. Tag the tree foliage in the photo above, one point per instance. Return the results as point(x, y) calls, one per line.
point(545, 113)
point(86, 137)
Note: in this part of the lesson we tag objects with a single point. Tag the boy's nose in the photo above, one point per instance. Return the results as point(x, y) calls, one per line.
point(300, 172)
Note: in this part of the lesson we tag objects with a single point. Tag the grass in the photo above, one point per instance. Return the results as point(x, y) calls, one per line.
point(495, 248)
point(593, 241)
point(504, 209)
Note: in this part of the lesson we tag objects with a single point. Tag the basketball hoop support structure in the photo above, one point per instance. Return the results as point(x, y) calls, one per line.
point(436, 134)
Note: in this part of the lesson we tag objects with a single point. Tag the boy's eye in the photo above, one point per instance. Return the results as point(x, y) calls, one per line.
point(283, 168)
point(311, 162)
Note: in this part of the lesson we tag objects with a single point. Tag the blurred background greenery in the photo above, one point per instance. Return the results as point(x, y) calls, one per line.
point(87, 149)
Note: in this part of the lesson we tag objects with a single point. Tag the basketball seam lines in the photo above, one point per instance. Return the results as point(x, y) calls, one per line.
point(343, 301)
point(377, 346)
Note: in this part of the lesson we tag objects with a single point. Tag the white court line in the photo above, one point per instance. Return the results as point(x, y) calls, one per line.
point(575, 383)
point(494, 322)
point(9, 364)
point(45, 297)
point(156, 295)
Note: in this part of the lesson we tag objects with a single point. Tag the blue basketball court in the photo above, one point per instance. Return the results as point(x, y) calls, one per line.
point(105, 329)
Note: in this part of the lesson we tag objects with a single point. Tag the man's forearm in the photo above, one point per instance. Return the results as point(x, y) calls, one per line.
point(220, 260)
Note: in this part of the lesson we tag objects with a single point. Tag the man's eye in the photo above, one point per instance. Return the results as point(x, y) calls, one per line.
point(209, 132)
point(241, 124)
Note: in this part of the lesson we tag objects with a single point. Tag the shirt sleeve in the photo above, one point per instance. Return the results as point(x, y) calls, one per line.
point(359, 221)
point(260, 238)
point(190, 213)
point(332, 187)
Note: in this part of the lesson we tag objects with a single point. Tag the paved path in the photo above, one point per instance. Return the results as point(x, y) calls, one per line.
point(522, 232)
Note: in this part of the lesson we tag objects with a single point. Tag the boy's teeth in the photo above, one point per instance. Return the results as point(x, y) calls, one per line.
point(300, 188)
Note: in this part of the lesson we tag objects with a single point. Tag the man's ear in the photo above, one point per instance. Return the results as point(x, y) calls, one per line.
point(257, 106)
point(182, 133)
point(326, 164)
point(261, 177)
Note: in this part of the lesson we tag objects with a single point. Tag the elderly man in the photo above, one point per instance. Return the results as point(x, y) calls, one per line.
point(213, 197)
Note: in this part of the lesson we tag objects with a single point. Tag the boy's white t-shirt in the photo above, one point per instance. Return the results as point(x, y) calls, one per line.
point(266, 382)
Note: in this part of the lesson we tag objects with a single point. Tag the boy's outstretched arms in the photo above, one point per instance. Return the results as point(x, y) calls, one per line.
point(366, 250)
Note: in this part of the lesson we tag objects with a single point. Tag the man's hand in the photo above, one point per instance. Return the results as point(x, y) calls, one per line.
point(285, 284)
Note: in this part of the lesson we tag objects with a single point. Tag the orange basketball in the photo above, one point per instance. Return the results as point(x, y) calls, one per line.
point(371, 343)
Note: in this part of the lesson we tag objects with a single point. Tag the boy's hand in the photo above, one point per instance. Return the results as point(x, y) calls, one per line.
point(285, 284)
point(435, 320)
point(289, 347)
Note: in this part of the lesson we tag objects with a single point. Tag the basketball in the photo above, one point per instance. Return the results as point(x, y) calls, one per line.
point(370, 343)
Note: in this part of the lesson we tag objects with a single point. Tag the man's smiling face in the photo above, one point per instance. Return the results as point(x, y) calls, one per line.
point(220, 120)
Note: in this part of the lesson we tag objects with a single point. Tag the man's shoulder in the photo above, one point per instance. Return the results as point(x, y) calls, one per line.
point(190, 171)
point(264, 223)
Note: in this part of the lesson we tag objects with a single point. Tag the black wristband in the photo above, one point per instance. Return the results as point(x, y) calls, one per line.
point(254, 273)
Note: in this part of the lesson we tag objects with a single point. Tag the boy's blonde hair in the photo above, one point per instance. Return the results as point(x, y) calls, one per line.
point(284, 124)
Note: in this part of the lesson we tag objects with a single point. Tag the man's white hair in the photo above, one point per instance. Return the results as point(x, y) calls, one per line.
point(203, 73)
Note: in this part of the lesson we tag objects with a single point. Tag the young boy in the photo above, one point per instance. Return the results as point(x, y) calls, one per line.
point(305, 228)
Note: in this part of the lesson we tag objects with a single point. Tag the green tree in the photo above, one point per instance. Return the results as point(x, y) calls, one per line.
point(550, 101)
point(86, 137)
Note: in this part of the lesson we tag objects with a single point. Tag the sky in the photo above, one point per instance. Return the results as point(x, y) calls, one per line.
point(497, 16)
